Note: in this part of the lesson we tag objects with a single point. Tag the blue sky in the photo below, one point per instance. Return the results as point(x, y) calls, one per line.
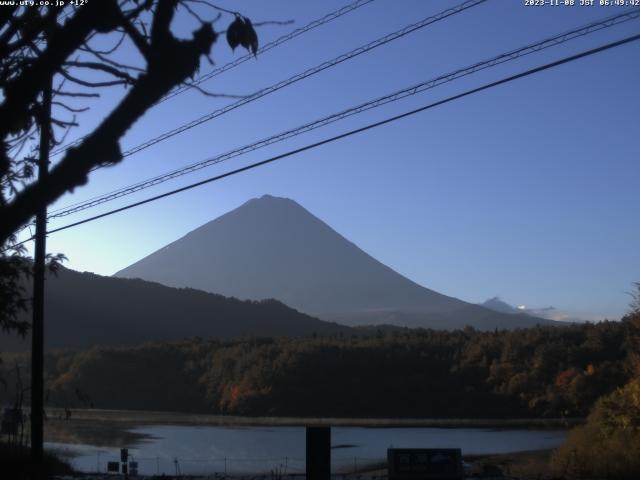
point(527, 191)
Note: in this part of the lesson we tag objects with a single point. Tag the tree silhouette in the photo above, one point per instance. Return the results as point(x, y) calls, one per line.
point(65, 47)
point(41, 44)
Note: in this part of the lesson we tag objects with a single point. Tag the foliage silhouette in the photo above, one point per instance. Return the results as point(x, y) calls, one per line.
point(608, 445)
point(538, 372)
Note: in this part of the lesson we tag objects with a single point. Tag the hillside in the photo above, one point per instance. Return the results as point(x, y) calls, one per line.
point(273, 248)
point(84, 309)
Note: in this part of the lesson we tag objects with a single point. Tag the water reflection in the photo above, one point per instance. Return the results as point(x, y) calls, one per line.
point(169, 449)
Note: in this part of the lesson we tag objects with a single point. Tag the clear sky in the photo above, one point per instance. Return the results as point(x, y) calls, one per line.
point(528, 191)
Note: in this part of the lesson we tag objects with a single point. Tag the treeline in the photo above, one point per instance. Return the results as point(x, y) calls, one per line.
point(537, 372)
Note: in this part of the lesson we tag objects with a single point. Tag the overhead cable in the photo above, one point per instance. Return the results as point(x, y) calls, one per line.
point(350, 133)
point(393, 97)
point(303, 75)
point(240, 60)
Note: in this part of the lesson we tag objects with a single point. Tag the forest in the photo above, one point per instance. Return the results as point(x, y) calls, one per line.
point(538, 372)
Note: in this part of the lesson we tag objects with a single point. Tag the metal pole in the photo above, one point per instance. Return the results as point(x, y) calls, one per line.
point(37, 328)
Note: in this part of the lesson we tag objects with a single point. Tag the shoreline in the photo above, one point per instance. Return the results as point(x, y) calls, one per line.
point(524, 465)
point(141, 417)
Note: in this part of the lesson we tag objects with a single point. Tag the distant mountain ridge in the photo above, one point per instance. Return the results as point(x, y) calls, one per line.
point(84, 310)
point(272, 247)
point(499, 305)
point(549, 312)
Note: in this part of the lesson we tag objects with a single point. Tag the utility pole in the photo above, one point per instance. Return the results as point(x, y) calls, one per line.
point(37, 328)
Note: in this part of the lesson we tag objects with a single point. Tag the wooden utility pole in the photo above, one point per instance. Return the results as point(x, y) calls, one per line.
point(37, 328)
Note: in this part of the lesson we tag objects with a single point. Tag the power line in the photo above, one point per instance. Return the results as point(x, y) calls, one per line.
point(353, 132)
point(240, 60)
point(406, 92)
point(299, 31)
point(303, 75)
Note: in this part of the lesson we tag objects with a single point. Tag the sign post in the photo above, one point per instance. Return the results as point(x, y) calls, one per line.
point(124, 458)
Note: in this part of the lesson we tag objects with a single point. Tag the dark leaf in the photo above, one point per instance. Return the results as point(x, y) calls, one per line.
point(234, 32)
point(241, 32)
point(251, 37)
point(27, 171)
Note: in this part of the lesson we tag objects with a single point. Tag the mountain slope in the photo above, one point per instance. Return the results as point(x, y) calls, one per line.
point(498, 305)
point(83, 310)
point(273, 248)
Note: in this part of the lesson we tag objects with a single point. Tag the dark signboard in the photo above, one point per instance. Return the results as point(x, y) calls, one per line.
point(424, 463)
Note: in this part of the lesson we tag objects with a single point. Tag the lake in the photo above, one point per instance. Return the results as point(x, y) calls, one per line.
point(190, 449)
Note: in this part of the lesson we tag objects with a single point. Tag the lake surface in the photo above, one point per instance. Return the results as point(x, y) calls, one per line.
point(170, 449)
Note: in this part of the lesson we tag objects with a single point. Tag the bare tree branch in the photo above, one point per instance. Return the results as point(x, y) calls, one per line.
point(68, 108)
point(102, 67)
point(170, 62)
point(75, 94)
point(86, 83)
